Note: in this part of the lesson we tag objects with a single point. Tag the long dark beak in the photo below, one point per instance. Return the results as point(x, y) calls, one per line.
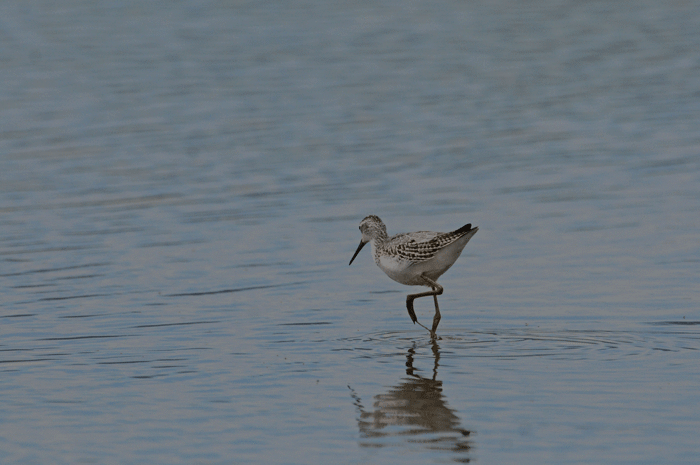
point(359, 247)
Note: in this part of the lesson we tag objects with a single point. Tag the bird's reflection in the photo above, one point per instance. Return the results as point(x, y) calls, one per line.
point(414, 411)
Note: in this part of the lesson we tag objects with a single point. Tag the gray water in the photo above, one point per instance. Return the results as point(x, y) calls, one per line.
point(180, 189)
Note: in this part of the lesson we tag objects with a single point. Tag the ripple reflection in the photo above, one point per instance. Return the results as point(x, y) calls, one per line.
point(415, 411)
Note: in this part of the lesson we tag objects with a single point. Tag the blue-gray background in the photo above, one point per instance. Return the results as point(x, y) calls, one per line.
point(180, 189)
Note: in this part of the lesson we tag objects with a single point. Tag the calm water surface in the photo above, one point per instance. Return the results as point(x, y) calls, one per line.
point(180, 190)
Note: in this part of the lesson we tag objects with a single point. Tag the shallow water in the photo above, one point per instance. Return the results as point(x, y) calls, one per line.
point(180, 190)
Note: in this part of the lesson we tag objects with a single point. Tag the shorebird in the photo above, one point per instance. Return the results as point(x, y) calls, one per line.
point(415, 258)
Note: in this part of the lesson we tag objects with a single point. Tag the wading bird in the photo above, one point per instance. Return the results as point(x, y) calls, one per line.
point(415, 258)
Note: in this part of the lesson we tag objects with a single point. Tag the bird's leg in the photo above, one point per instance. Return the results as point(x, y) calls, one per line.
point(437, 290)
point(436, 318)
point(411, 312)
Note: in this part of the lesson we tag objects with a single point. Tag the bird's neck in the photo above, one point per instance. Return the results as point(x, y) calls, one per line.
point(378, 241)
point(376, 248)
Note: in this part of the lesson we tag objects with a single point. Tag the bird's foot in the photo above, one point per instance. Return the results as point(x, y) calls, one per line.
point(411, 312)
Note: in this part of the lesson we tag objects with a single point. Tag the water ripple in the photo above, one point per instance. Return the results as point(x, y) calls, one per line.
point(512, 344)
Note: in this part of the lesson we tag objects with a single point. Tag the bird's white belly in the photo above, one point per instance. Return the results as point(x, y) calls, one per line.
point(399, 270)
point(408, 273)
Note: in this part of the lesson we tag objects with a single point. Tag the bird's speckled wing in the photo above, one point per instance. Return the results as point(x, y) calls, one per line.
point(423, 245)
